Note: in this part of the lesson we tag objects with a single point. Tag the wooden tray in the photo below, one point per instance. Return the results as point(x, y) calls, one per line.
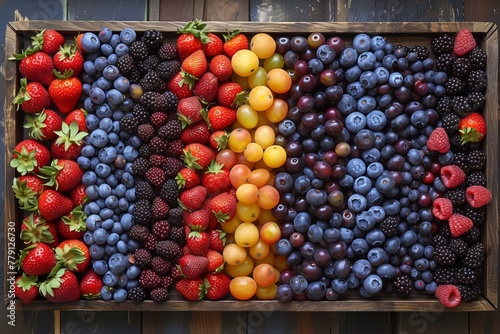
point(18, 37)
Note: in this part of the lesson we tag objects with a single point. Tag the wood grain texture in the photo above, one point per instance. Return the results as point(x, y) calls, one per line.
point(432, 321)
point(207, 10)
point(88, 321)
point(135, 10)
point(282, 322)
point(291, 11)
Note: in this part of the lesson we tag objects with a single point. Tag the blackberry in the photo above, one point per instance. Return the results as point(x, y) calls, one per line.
point(129, 124)
point(167, 282)
point(158, 119)
point(161, 229)
point(177, 235)
point(476, 100)
point(421, 51)
point(167, 69)
point(142, 257)
point(444, 256)
point(160, 208)
point(442, 44)
point(145, 132)
point(477, 59)
point(138, 232)
point(163, 102)
point(450, 122)
point(439, 240)
point(174, 148)
point(172, 167)
point(403, 285)
point(475, 256)
point(389, 226)
point(167, 51)
point(476, 178)
point(477, 81)
point(149, 279)
point(443, 106)
point(144, 151)
point(460, 159)
point(148, 99)
point(125, 64)
point(476, 215)
point(148, 64)
point(445, 275)
point(472, 235)
point(444, 230)
point(138, 50)
point(152, 38)
point(458, 246)
point(162, 87)
point(461, 67)
point(461, 106)
point(175, 216)
point(466, 276)
point(159, 294)
point(456, 196)
point(171, 101)
point(170, 191)
point(150, 81)
point(157, 160)
point(158, 145)
point(477, 159)
point(155, 176)
point(134, 76)
point(400, 51)
point(140, 166)
point(142, 211)
point(445, 62)
point(150, 242)
point(136, 294)
point(160, 266)
point(469, 292)
point(454, 86)
point(456, 144)
point(171, 130)
point(140, 113)
point(144, 190)
point(169, 249)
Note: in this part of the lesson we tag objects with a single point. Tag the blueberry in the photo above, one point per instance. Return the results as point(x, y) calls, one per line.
point(130, 195)
point(374, 197)
point(315, 233)
point(100, 63)
point(122, 84)
point(364, 293)
point(90, 42)
point(316, 197)
point(347, 104)
point(362, 43)
point(122, 280)
point(111, 72)
point(112, 59)
point(96, 251)
point(89, 68)
point(365, 220)
point(316, 290)
point(362, 185)
point(385, 184)
point(408, 238)
point(105, 35)
point(346, 235)
point(97, 95)
point(374, 170)
point(130, 153)
point(100, 236)
point(370, 155)
point(339, 285)
point(110, 250)
point(377, 43)
point(107, 224)
point(117, 263)
point(395, 79)
point(302, 222)
point(352, 74)
point(376, 120)
point(104, 83)
point(368, 79)
point(390, 61)
point(355, 89)
point(107, 154)
point(104, 110)
point(361, 268)
point(367, 60)
point(128, 36)
point(283, 247)
point(331, 234)
point(298, 284)
point(359, 246)
point(114, 97)
point(100, 267)
point(377, 256)
point(347, 181)
point(375, 237)
point(419, 119)
point(121, 49)
point(378, 212)
point(356, 167)
point(99, 138)
point(386, 271)
point(93, 222)
point(348, 57)
point(114, 40)
point(107, 292)
point(106, 213)
point(122, 247)
point(83, 162)
point(112, 180)
point(110, 278)
point(365, 104)
point(382, 74)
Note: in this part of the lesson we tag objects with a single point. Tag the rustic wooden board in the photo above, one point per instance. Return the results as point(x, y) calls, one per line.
point(194, 322)
point(206, 10)
point(88, 321)
point(291, 11)
point(107, 10)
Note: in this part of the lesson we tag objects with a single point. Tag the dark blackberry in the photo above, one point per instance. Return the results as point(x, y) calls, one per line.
point(138, 50)
point(129, 124)
point(476, 100)
point(158, 145)
point(460, 159)
point(152, 38)
point(444, 256)
point(445, 275)
point(403, 285)
point(138, 232)
point(125, 64)
point(145, 132)
point(167, 69)
point(169, 249)
point(148, 99)
point(149, 279)
point(461, 67)
point(134, 76)
point(157, 160)
point(442, 44)
point(136, 294)
point(171, 101)
point(142, 211)
point(142, 257)
point(458, 209)
point(159, 294)
point(444, 230)
point(171, 130)
point(172, 167)
point(456, 196)
point(476, 178)
point(167, 51)
point(174, 148)
point(472, 235)
point(400, 51)
point(466, 276)
point(150, 242)
point(148, 64)
point(461, 106)
point(144, 151)
point(158, 119)
point(162, 87)
point(439, 240)
point(167, 282)
point(389, 226)
point(144, 190)
point(175, 216)
point(445, 63)
point(450, 122)
point(161, 229)
point(178, 235)
point(458, 246)
point(140, 113)
point(421, 51)
point(169, 191)
point(477, 81)
point(469, 292)
point(443, 106)
point(454, 86)
point(150, 81)
point(456, 144)
point(475, 256)
point(140, 166)
point(477, 59)
point(160, 266)
point(477, 159)
point(476, 215)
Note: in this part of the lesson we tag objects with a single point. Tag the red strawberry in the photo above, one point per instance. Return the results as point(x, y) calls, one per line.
point(27, 188)
point(218, 139)
point(197, 156)
point(216, 179)
point(189, 110)
point(448, 295)
point(62, 175)
point(214, 46)
point(215, 261)
point(62, 287)
point(32, 97)
point(195, 64)
point(43, 126)
point(29, 156)
point(69, 58)
point(206, 87)
point(452, 176)
point(223, 206)
point(72, 226)
point(192, 199)
point(234, 41)
point(192, 266)
point(187, 178)
point(78, 195)
point(477, 196)
point(35, 229)
point(68, 143)
point(216, 285)
point(73, 254)
point(191, 289)
point(442, 208)
point(196, 133)
point(52, 204)
point(91, 285)
point(217, 240)
point(47, 41)
point(26, 288)
point(439, 141)
point(180, 88)
point(65, 91)
point(472, 128)
point(37, 259)
point(198, 242)
point(464, 42)
point(198, 220)
point(459, 224)
point(192, 37)
point(230, 94)
point(221, 66)
point(36, 66)
point(221, 117)
point(77, 115)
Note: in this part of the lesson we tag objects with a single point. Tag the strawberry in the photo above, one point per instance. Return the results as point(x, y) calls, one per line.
point(452, 176)
point(68, 143)
point(191, 289)
point(223, 206)
point(62, 175)
point(459, 224)
point(77, 115)
point(72, 226)
point(216, 285)
point(61, 287)
point(198, 242)
point(216, 179)
point(221, 66)
point(189, 110)
point(218, 139)
point(220, 117)
point(472, 128)
point(214, 46)
point(192, 199)
point(234, 41)
point(78, 42)
point(192, 38)
point(65, 91)
point(195, 65)
point(187, 178)
point(69, 58)
point(27, 188)
point(206, 87)
point(37, 259)
point(230, 94)
point(438, 141)
point(217, 240)
point(180, 88)
point(78, 195)
point(442, 208)
point(192, 266)
point(52, 205)
point(29, 156)
point(43, 126)
point(35, 229)
point(197, 156)
point(91, 285)
point(464, 42)
point(448, 295)
point(215, 261)
point(196, 133)
point(198, 220)
point(477, 196)
point(48, 41)
point(32, 97)
point(35, 66)
point(26, 288)
point(73, 254)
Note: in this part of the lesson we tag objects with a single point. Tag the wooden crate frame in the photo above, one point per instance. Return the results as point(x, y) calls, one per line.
point(18, 37)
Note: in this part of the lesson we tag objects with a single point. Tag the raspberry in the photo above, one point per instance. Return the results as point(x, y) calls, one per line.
point(452, 176)
point(442, 209)
point(477, 196)
point(439, 141)
point(448, 295)
point(459, 224)
point(464, 42)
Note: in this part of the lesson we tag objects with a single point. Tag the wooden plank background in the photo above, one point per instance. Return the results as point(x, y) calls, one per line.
point(427, 321)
